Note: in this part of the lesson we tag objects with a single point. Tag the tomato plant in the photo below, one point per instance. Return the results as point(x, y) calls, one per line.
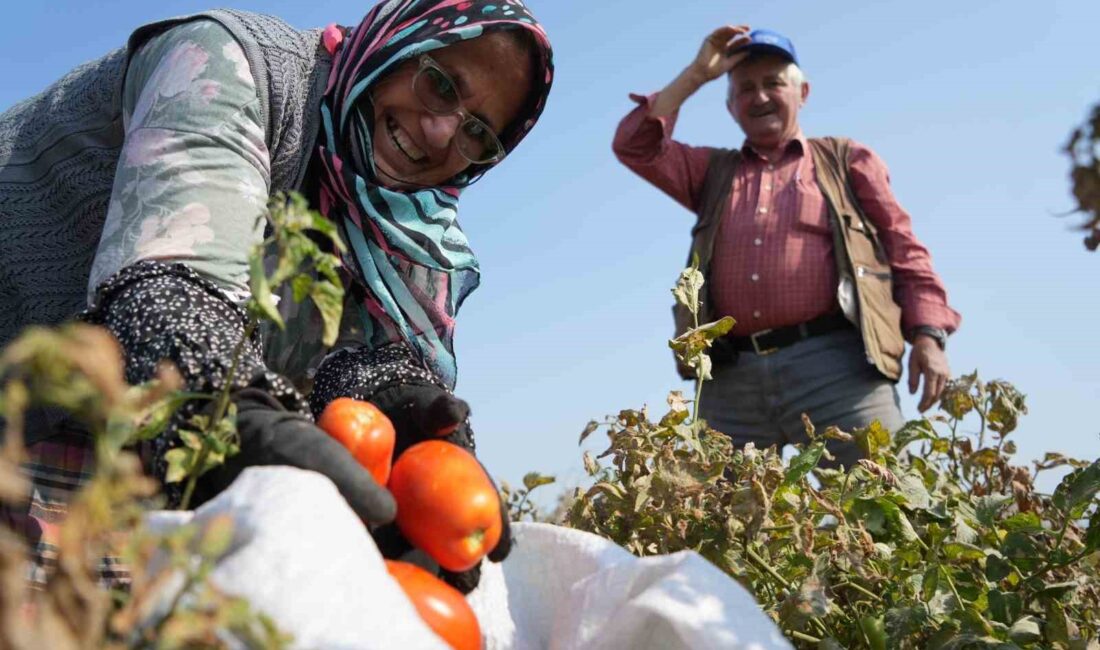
point(446, 504)
point(440, 605)
point(364, 430)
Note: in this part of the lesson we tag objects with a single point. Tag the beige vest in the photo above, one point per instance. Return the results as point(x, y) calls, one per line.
point(865, 289)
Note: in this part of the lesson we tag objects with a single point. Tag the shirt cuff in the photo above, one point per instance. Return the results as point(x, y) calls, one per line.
point(931, 314)
point(642, 138)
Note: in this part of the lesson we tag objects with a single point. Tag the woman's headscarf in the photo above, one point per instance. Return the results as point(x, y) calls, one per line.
point(406, 248)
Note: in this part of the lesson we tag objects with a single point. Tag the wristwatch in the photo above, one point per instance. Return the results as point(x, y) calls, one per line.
point(935, 332)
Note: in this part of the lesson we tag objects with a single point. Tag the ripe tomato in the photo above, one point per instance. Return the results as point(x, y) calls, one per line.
point(364, 430)
point(446, 504)
point(440, 605)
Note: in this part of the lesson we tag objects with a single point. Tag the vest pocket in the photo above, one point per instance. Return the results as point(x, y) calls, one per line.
point(882, 317)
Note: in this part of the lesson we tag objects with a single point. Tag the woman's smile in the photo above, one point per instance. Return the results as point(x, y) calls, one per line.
point(403, 142)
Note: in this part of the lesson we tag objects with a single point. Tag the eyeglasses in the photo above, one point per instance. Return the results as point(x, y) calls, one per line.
point(438, 92)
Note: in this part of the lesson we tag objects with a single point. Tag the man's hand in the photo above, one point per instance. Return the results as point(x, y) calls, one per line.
point(713, 60)
point(717, 55)
point(927, 359)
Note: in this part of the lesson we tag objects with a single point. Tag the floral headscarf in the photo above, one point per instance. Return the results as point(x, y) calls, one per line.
point(406, 248)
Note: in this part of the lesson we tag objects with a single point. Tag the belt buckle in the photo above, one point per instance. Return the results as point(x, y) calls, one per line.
point(756, 344)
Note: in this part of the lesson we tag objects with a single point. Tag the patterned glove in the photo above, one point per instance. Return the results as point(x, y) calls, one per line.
point(271, 435)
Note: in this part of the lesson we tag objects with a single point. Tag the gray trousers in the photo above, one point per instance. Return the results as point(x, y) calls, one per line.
point(761, 399)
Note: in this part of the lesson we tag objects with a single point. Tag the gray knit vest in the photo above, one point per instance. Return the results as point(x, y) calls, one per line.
point(59, 150)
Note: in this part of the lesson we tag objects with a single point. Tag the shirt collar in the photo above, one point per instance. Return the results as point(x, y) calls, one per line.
point(798, 146)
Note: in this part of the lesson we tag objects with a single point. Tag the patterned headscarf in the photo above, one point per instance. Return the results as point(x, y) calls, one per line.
point(405, 247)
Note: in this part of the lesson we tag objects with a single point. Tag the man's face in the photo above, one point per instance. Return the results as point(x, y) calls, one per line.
point(764, 100)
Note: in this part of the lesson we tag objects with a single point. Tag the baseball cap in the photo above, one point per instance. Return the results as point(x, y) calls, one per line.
point(767, 41)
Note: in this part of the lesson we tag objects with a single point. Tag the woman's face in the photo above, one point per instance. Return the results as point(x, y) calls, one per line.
point(415, 145)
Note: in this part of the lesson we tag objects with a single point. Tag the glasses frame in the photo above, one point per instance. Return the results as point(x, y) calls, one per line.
point(426, 62)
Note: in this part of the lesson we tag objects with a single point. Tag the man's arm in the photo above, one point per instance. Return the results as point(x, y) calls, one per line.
point(917, 288)
point(643, 141)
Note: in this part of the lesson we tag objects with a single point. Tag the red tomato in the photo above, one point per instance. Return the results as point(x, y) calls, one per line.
point(440, 605)
point(446, 504)
point(364, 430)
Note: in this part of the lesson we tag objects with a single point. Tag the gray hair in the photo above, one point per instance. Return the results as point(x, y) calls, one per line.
point(793, 73)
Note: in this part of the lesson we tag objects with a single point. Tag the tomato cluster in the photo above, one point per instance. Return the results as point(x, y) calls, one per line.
point(446, 506)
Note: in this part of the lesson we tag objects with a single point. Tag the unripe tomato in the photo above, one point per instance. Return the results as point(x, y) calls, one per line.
point(440, 605)
point(446, 504)
point(364, 431)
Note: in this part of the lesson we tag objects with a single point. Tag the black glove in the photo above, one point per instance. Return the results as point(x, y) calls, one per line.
point(272, 435)
point(422, 412)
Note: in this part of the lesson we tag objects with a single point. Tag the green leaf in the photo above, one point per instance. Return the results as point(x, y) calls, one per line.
point(300, 286)
point(911, 486)
point(875, 631)
point(1077, 490)
point(262, 300)
point(984, 458)
point(588, 430)
point(804, 463)
point(1092, 535)
point(1023, 522)
point(532, 480)
point(997, 568)
point(157, 417)
point(329, 299)
point(590, 464)
point(180, 461)
point(930, 583)
point(902, 622)
point(687, 288)
point(1005, 606)
point(190, 439)
point(1058, 589)
point(872, 438)
point(963, 551)
point(988, 508)
point(913, 431)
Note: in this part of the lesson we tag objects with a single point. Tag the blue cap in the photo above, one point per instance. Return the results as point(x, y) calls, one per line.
point(769, 42)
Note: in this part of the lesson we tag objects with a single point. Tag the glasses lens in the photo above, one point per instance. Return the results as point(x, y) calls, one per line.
point(478, 143)
point(436, 90)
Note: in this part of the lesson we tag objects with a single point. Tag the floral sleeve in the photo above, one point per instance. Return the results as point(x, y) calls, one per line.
point(194, 173)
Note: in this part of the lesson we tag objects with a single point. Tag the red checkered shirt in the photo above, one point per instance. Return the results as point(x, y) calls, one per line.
point(773, 259)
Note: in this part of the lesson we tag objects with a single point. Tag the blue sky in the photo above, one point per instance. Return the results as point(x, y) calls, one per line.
point(969, 103)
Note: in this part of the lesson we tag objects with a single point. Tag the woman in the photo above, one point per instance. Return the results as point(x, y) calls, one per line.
point(148, 169)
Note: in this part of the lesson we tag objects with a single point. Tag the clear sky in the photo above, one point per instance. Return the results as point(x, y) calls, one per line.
point(968, 102)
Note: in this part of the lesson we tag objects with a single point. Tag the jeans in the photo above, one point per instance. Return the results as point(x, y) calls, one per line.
point(761, 399)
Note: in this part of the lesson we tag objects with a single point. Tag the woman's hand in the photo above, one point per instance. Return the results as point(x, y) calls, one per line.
point(271, 435)
point(427, 412)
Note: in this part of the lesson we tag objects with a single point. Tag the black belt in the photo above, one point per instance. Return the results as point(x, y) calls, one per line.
point(768, 341)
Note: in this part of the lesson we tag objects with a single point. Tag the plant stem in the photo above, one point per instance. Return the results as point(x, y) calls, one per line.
point(219, 412)
point(860, 589)
point(767, 568)
point(951, 583)
point(803, 637)
point(698, 375)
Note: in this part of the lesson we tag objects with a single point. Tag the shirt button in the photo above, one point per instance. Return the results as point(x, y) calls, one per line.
point(756, 314)
point(771, 168)
point(763, 210)
point(768, 187)
point(757, 241)
point(755, 277)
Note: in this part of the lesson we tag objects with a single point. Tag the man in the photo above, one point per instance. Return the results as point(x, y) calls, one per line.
point(803, 243)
